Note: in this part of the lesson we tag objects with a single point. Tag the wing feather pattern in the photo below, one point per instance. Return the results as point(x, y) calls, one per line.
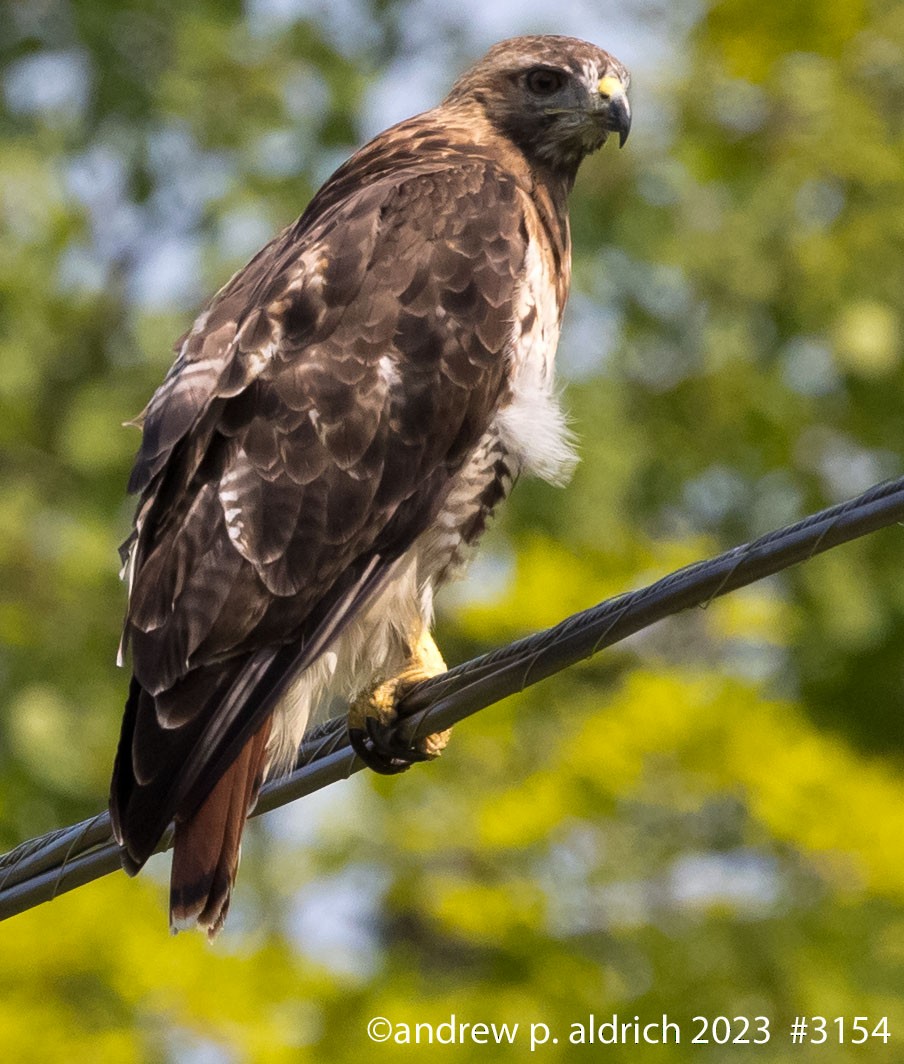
point(305, 436)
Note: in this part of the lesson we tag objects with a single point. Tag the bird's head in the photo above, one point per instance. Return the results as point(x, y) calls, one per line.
point(558, 98)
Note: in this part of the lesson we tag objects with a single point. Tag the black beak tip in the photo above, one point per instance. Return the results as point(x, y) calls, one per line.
point(621, 120)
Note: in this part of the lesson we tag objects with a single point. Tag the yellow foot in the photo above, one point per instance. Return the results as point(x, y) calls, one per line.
point(373, 714)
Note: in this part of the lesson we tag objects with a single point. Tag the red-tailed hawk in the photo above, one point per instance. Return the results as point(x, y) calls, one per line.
point(339, 424)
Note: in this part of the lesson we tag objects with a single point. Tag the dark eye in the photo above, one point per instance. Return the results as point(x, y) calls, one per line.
point(542, 81)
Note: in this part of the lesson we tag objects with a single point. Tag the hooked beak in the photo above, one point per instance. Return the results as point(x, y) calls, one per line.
point(613, 104)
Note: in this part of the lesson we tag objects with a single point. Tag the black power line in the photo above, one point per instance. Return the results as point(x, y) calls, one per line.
point(59, 861)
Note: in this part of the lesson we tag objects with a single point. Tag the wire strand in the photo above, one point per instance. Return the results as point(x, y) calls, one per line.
point(42, 868)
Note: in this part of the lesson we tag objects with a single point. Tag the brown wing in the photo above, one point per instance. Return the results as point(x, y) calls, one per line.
point(305, 436)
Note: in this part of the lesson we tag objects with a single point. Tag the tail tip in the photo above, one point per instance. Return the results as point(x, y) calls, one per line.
point(199, 906)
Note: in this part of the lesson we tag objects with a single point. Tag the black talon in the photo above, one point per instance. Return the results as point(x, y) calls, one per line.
point(380, 749)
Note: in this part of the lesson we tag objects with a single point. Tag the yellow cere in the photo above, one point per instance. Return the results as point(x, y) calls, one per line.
point(610, 86)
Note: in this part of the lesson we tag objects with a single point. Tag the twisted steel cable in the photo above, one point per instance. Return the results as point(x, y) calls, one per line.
point(41, 868)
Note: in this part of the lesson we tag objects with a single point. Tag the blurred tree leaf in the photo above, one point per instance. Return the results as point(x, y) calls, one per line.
point(705, 822)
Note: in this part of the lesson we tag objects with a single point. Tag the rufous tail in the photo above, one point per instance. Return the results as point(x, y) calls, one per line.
point(207, 845)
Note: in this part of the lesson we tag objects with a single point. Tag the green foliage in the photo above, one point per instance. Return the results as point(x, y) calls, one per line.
point(705, 821)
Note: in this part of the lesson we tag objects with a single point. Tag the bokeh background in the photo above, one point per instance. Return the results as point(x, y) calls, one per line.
point(707, 820)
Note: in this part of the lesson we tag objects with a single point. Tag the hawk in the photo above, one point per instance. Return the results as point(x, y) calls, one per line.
point(337, 427)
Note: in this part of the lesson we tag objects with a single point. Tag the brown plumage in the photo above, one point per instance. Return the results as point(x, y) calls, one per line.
point(332, 437)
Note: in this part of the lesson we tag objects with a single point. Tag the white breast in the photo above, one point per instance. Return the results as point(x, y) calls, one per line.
point(532, 425)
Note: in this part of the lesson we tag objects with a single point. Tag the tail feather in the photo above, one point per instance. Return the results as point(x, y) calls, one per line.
point(195, 753)
point(207, 845)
